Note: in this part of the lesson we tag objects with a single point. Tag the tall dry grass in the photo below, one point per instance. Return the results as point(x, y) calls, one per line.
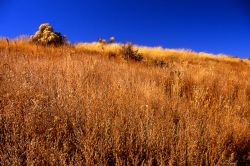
point(72, 106)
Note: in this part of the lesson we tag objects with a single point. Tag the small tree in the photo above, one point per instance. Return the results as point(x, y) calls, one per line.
point(112, 39)
point(102, 41)
point(46, 36)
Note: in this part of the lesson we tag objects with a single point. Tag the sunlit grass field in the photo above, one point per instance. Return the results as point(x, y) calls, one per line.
point(83, 104)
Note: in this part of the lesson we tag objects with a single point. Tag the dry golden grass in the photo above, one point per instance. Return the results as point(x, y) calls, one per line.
point(75, 105)
point(159, 53)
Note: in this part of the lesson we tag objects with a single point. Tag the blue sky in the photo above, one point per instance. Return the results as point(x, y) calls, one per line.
point(214, 26)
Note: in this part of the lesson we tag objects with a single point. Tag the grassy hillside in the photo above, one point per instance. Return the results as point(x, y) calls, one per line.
point(85, 105)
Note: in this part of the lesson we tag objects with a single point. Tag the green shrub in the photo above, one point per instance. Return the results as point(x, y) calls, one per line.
point(129, 53)
point(46, 36)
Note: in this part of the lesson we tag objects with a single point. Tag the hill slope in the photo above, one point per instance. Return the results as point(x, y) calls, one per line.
point(84, 104)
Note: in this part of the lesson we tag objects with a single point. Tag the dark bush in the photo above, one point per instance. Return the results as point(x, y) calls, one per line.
point(129, 53)
point(159, 63)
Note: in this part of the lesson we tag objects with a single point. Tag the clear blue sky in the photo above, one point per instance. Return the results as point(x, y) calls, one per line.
point(214, 26)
